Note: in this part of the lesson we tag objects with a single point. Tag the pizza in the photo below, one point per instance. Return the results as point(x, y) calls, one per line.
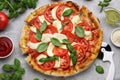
point(61, 39)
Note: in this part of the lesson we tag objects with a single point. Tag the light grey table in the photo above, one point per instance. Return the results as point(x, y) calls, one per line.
point(14, 28)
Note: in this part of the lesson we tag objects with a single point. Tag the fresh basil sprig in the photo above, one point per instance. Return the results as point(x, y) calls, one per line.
point(42, 47)
point(56, 42)
point(49, 59)
point(67, 12)
point(43, 26)
point(12, 71)
point(99, 69)
point(79, 31)
point(103, 4)
point(71, 50)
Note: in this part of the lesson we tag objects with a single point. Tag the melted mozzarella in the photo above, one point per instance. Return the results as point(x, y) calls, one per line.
point(32, 28)
point(58, 25)
point(33, 45)
point(50, 50)
point(59, 36)
point(88, 35)
point(75, 20)
point(54, 12)
point(42, 19)
point(46, 37)
point(40, 57)
point(57, 63)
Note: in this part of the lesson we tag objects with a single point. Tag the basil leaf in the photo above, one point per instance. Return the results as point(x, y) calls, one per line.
point(35, 79)
point(43, 26)
point(100, 69)
point(38, 35)
point(79, 31)
point(56, 42)
point(67, 12)
point(42, 47)
point(17, 62)
point(73, 57)
point(65, 41)
point(7, 67)
point(48, 59)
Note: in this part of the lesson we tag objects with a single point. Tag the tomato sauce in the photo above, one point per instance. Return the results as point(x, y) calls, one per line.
point(5, 46)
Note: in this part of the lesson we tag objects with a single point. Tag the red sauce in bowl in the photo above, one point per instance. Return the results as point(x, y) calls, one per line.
point(6, 47)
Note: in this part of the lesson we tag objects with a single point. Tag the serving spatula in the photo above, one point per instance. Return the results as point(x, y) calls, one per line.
point(106, 54)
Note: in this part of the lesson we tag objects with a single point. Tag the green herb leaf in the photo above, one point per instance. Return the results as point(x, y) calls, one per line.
point(35, 79)
point(99, 69)
point(3, 76)
point(79, 31)
point(56, 42)
point(7, 67)
point(48, 59)
point(71, 50)
point(67, 12)
point(43, 26)
point(17, 62)
point(42, 47)
point(38, 35)
point(107, 0)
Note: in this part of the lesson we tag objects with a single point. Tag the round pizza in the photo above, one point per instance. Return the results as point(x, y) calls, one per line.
point(61, 39)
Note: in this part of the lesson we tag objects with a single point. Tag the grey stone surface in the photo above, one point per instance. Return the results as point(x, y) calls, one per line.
point(14, 29)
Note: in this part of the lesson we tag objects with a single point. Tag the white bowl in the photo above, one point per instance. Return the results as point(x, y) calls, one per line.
point(115, 37)
point(11, 50)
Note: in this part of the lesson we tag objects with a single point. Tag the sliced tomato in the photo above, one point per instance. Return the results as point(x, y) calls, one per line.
point(48, 14)
point(32, 37)
point(47, 65)
point(69, 35)
point(59, 51)
point(85, 44)
point(59, 11)
point(36, 22)
point(65, 61)
point(68, 25)
point(86, 26)
point(51, 29)
point(80, 52)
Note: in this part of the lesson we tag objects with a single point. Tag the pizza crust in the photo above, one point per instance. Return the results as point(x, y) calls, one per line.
point(79, 67)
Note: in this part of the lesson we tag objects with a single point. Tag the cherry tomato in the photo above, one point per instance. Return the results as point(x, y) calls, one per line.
point(51, 29)
point(3, 20)
point(47, 65)
point(86, 26)
point(48, 15)
point(65, 61)
point(32, 37)
point(69, 35)
point(80, 52)
point(59, 51)
point(68, 25)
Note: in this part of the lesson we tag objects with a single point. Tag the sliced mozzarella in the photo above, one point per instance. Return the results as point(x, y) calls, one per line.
point(88, 35)
point(58, 25)
point(54, 12)
point(62, 18)
point(57, 63)
point(46, 37)
point(40, 57)
point(71, 63)
point(59, 36)
point(32, 28)
point(50, 50)
point(75, 20)
point(42, 19)
point(33, 45)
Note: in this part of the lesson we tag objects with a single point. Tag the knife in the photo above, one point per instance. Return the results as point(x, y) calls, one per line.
point(106, 54)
